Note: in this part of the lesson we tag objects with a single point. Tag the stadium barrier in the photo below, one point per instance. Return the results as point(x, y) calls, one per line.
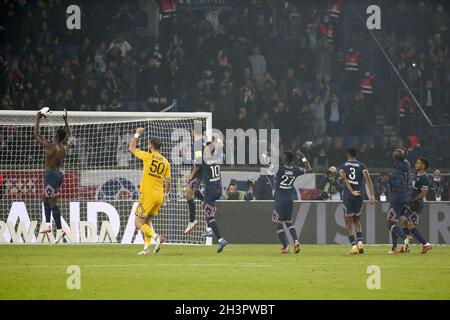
point(240, 221)
point(323, 222)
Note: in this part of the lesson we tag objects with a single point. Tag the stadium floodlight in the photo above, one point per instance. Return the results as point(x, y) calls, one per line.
point(101, 183)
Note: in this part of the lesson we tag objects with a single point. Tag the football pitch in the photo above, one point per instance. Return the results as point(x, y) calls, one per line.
point(240, 272)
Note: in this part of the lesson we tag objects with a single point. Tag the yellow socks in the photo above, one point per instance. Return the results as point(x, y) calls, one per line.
point(148, 232)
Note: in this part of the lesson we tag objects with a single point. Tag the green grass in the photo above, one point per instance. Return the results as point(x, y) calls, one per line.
point(240, 272)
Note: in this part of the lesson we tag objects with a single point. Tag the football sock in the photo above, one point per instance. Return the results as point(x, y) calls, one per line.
point(191, 206)
point(416, 233)
point(199, 195)
point(48, 213)
point(215, 228)
point(57, 217)
point(147, 230)
point(359, 237)
point(282, 235)
point(147, 241)
point(351, 239)
point(394, 241)
point(292, 230)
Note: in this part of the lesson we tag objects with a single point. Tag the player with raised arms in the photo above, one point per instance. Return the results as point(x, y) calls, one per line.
point(208, 166)
point(192, 188)
point(355, 174)
point(420, 186)
point(53, 177)
point(154, 189)
point(284, 202)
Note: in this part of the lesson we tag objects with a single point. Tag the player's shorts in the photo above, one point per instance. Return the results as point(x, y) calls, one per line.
point(149, 204)
point(283, 210)
point(194, 183)
point(352, 207)
point(396, 210)
point(209, 202)
point(53, 180)
point(413, 214)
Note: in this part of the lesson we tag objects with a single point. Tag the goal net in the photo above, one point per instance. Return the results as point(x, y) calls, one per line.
point(101, 177)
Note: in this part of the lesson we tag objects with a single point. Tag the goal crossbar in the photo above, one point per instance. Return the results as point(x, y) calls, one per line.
point(16, 117)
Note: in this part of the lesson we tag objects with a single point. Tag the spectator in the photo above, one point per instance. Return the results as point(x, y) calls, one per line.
point(264, 187)
point(111, 82)
point(232, 192)
point(258, 65)
point(250, 194)
point(438, 188)
point(225, 109)
point(336, 154)
point(333, 116)
point(248, 96)
point(264, 122)
point(318, 111)
point(384, 151)
point(357, 119)
point(243, 121)
point(115, 105)
point(280, 116)
point(365, 154)
point(103, 101)
point(69, 101)
point(7, 103)
point(322, 66)
point(121, 44)
point(320, 153)
point(287, 87)
point(331, 186)
point(302, 59)
point(382, 187)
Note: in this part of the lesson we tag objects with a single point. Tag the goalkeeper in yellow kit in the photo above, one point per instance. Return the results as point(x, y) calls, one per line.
point(155, 187)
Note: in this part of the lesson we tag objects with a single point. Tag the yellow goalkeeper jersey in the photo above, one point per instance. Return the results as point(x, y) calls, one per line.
point(156, 169)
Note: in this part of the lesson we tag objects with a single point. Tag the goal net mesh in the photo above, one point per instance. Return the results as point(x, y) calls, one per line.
point(101, 177)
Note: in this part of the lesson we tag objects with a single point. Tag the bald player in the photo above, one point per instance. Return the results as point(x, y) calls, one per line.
point(53, 177)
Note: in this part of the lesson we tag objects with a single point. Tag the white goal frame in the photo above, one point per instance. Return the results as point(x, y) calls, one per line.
point(112, 116)
point(26, 118)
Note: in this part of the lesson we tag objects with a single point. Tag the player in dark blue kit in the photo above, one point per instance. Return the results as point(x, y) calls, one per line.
point(400, 185)
point(193, 184)
point(420, 185)
point(355, 174)
point(284, 186)
point(53, 178)
point(209, 170)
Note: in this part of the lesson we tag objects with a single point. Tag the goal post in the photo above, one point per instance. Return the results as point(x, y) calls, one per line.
point(101, 178)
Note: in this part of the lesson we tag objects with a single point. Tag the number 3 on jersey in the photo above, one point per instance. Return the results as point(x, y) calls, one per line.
point(352, 174)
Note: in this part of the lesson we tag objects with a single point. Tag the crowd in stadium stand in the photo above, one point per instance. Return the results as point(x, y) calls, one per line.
point(310, 69)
